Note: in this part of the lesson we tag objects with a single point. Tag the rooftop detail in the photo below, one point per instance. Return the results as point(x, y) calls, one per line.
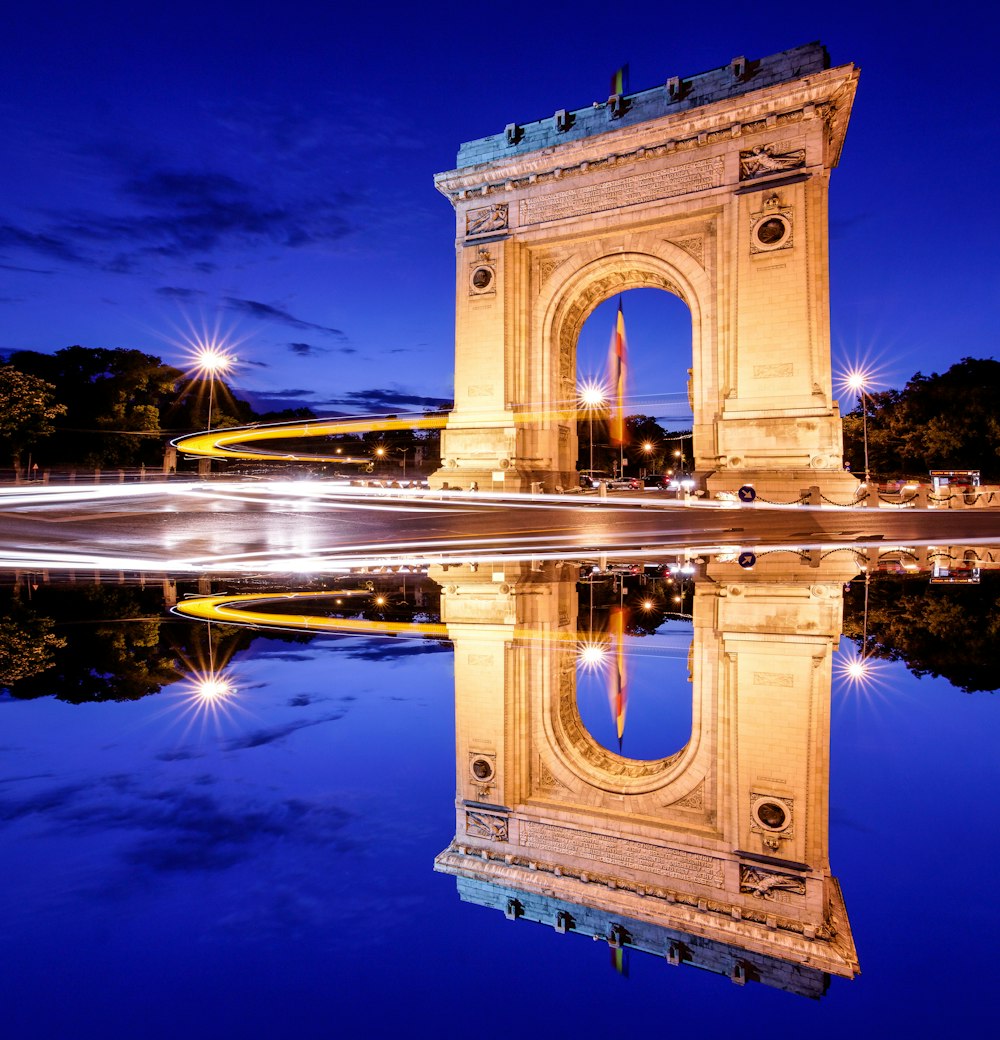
point(678, 94)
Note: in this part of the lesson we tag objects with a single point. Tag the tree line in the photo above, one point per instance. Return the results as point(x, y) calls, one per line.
point(941, 421)
point(119, 408)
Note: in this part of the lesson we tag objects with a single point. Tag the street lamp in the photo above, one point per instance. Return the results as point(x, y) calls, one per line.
point(591, 396)
point(209, 360)
point(857, 381)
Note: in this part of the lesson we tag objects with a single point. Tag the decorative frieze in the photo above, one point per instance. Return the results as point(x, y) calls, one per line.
point(765, 884)
point(485, 825)
point(487, 220)
point(763, 159)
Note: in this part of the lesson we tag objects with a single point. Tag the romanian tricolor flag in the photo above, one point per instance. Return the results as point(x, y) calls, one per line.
point(616, 371)
point(617, 678)
point(619, 81)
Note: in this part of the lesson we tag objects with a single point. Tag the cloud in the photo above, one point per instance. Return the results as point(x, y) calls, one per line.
point(177, 293)
point(261, 737)
point(28, 270)
point(309, 349)
point(381, 651)
point(266, 312)
point(37, 242)
point(179, 829)
point(381, 400)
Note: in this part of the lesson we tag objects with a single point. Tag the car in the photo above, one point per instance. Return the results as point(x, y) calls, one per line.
point(624, 484)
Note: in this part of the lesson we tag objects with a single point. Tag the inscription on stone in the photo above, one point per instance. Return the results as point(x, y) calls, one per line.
point(773, 679)
point(773, 371)
point(623, 852)
point(483, 390)
point(642, 187)
point(480, 659)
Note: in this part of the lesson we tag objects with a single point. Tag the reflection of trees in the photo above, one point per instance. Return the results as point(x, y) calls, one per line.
point(648, 602)
point(83, 643)
point(27, 645)
point(939, 630)
point(118, 653)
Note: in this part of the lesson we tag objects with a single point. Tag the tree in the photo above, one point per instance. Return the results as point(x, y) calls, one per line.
point(115, 400)
point(27, 410)
point(940, 421)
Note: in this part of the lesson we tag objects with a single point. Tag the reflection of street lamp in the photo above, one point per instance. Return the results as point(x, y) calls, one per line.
point(212, 359)
point(591, 396)
point(857, 381)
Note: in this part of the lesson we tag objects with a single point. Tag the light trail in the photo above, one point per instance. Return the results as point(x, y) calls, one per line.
point(230, 442)
point(226, 444)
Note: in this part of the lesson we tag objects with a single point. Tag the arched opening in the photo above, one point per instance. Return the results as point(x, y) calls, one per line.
point(656, 712)
point(648, 432)
point(633, 689)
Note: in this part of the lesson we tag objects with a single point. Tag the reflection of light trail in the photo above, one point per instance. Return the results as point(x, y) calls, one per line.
point(237, 609)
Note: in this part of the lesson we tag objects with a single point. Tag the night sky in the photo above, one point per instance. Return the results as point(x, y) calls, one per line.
point(264, 172)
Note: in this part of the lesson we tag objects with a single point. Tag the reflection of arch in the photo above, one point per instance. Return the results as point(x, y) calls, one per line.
point(583, 757)
point(721, 847)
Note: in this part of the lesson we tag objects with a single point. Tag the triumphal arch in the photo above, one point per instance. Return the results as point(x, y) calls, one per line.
point(712, 187)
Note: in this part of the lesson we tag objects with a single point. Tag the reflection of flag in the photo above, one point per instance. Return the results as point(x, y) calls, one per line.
point(619, 961)
point(616, 370)
point(617, 679)
point(619, 80)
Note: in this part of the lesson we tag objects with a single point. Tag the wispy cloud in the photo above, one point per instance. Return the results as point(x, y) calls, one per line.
point(378, 400)
point(175, 292)
point(267, 312)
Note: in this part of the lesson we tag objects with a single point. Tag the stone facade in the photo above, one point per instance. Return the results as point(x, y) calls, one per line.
point(713, 188)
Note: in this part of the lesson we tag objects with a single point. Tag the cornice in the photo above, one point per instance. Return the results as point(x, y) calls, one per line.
point(826, 95)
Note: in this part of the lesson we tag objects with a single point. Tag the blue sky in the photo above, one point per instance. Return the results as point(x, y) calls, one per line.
point(266, 172)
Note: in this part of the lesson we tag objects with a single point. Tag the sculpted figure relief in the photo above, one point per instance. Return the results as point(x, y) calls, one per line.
point(763, 159)
point(489, 218)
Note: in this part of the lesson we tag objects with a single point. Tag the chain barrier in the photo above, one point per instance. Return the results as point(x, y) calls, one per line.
point(799, 501)
point(843, 505)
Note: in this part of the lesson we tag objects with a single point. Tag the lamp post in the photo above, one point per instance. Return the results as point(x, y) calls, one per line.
point(591, 396)
point(857, 381)
point(647, 450)
point(212, 359)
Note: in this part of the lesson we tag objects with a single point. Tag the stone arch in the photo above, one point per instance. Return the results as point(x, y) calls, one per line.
point(722, 200)
point(598, 275)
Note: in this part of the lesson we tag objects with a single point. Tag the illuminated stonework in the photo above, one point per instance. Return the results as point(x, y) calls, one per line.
point(717, 855)
point(713, 188)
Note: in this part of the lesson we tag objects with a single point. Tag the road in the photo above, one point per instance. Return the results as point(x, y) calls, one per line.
point(274, 526)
